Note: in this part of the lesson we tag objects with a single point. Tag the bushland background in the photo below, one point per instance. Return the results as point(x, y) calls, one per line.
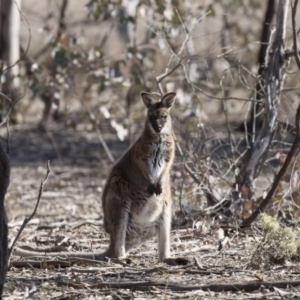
point(74, 101)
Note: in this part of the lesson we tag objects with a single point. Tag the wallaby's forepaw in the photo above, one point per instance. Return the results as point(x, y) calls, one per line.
point(177, 261)
point(158, 189)
point(154, 189)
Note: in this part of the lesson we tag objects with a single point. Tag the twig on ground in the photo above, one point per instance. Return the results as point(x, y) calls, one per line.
point(27, 219)
point(41, 264)
point(58, 248)
point(76, 257)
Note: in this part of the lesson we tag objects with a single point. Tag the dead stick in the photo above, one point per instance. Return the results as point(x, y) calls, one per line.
point(148, 285)
point(27, 219)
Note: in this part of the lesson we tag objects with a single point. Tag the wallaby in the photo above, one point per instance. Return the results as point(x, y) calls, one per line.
point(136, 200)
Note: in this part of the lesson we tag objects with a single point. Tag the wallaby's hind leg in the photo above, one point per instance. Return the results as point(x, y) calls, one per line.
point(164, 235)
point(117, 222)
point(116, 247)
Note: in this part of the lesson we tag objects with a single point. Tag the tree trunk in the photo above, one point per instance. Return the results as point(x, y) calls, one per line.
point(273, 85)
point(10, 44)
point(255, 121)
point(4, 182)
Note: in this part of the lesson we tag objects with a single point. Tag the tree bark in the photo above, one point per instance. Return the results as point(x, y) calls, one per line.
point(273, 86)
point(4, 182)
point(10, 41)
point(296, 142)
point(257, 121)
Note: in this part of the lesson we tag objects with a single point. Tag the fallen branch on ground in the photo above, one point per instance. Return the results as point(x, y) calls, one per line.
point(148, 285)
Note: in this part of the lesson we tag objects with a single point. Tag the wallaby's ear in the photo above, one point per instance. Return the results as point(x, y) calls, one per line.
point(148, 99)
point(168, 99)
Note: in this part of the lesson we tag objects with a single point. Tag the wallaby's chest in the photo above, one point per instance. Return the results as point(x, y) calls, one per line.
point(157, 159)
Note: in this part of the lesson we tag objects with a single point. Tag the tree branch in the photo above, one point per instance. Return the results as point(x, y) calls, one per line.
point(278, 177)
point(27, 219)
point(274, 81)
point(148, 285)
point(255, 120)
point(296, 142)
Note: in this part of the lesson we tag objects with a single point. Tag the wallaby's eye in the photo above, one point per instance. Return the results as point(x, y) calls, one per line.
point(164, 117)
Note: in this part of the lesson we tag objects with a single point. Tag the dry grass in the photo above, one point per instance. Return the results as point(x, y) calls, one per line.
point(70, 218)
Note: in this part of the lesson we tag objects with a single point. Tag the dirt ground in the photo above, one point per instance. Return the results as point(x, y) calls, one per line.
point(69, 218)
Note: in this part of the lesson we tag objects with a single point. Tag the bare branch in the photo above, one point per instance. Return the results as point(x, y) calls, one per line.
point(161, 77)
point(98, 131)
point(274, 82)
point(296, 142)
point(27, 219)
point(148, 285)
point(5, 118)
point(178, 55)
point(60, 30)
point(222, 98)
point(278, 177)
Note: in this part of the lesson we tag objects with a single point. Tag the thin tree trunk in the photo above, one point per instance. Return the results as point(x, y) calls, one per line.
point(10, 44)
point(255, 121)
point(13, 39)
point(4, 182)
point(296, 142)
point(273, 86)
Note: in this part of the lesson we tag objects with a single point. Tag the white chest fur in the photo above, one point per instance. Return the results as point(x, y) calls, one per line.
point(156, 162)
point(156, 169)
point(150, 211)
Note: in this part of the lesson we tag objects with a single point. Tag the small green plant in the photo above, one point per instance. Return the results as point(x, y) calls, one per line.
point(280, 243)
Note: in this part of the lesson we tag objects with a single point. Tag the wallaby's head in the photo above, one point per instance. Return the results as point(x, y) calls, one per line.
point(158, 116)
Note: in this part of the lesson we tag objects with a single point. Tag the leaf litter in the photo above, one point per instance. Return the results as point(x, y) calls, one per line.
point(69, 218)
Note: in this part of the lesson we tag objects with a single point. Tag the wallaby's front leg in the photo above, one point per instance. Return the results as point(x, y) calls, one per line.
point(154, 188)
point(164, 234)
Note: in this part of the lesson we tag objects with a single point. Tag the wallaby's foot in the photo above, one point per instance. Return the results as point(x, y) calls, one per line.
point(176, 261)
point(101, 257)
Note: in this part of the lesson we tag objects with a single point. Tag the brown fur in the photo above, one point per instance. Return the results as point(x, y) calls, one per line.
point(137, 197)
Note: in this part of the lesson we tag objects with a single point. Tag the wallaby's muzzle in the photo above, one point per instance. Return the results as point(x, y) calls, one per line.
point(157, 125)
